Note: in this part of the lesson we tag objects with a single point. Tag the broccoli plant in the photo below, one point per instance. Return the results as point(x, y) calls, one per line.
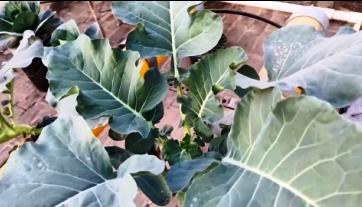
point(23, 20)
point(16, 17)
point(287, 145)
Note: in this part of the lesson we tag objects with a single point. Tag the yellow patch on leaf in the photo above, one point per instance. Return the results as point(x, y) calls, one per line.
point(144, 67)
point(160, 59)
point(146, 64)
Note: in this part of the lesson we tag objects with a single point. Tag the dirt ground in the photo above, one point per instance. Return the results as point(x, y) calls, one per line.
point(30, 104)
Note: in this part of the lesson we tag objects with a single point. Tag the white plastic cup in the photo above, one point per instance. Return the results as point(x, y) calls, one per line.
point(309, 14)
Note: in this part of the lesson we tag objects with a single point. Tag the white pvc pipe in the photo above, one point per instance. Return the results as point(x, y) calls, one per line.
point(352, 17)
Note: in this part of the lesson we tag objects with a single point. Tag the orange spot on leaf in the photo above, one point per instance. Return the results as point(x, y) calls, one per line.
point(98, 130)
point(144, 67)
point(160, 60)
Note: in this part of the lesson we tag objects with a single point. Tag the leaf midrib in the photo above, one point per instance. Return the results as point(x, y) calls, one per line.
point(87, 166)
point(204, 102)
point(136, 113)
point(282, 184)
point(173, 43)
point(91, 190)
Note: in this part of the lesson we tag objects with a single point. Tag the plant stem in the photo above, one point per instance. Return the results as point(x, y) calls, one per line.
point(25, 130)
point(4, 121)
point(185, 126)
point(174, 63)
point(11, 103)
point(12, 130)
point(8, 131)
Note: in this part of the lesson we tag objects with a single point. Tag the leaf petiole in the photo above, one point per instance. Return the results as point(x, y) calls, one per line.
point(10, 87)
point(9, 131)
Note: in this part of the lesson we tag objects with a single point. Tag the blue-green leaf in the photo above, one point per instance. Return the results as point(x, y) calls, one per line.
point(182, 172)
point(325, 67)
point(66, 166)
point(300, 152)
point(140, 163)
point(65, 32)
point(109, 81)
point(169, 28)
point(69, 167)
point(212, 74)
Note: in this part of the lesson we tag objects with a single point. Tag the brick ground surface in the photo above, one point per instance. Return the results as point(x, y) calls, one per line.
point(249, 33)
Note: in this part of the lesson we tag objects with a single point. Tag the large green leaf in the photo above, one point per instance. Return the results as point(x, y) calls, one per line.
point(169, 28)
point(109, 83)
point(328, 68)
point(69, 167)
point(301, 153)
point(212, 74)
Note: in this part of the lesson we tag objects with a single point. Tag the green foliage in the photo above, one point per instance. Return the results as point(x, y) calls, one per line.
point(109, 82)
point(74, 165)
point(19, 16)
point(174, 151)
point(299, 56)
point(212, 74)
point(281, 149)
point(181, 173)
point(66, 32)
point(169, 28)
point(301, 152)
